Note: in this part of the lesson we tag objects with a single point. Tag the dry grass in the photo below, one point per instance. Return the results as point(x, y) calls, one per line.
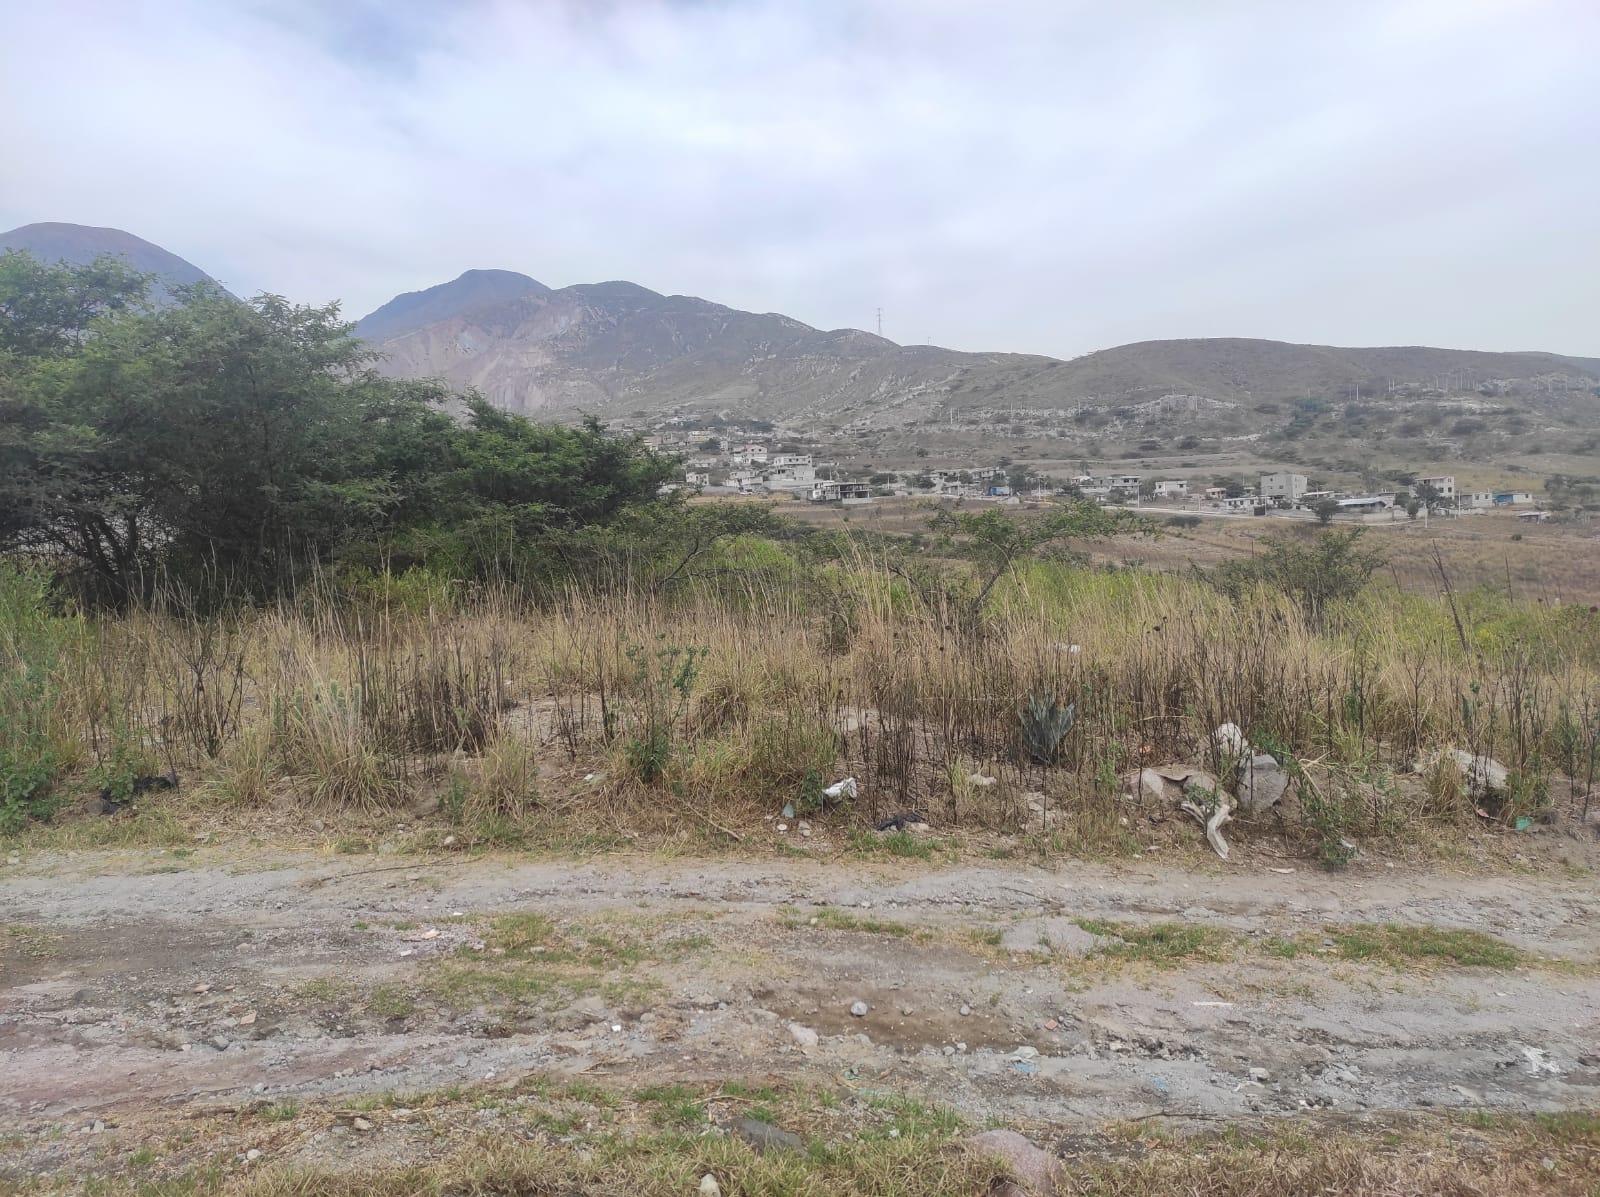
point(798, 677)
point(581, 1138)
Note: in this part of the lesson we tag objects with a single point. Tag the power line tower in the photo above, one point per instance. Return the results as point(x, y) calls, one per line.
point(880, 322)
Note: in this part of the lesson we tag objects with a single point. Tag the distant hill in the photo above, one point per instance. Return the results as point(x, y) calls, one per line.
point(53, 242)
point(473, 290)
point(618, 348)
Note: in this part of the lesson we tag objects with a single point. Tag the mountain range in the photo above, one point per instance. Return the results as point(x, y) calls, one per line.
point(622, 350)
point(81, 244)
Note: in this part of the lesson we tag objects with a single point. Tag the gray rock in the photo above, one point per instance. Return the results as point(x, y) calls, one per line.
point(1262, 783)
point(1035, 1168)
point(803, 1035)
point(764, 1137)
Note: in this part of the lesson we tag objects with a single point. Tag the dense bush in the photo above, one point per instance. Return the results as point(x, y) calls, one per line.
point(230, 447)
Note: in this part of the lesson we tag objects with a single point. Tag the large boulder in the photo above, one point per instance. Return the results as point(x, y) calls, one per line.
point(1262, 783)
point(1033, 1167)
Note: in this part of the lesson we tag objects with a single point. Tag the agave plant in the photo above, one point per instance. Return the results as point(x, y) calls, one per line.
point(1045, 724)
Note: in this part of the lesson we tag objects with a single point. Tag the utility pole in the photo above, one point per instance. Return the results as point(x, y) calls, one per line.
point(880, 322)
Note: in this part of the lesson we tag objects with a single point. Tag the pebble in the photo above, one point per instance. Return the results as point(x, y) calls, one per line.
point(858, 1009)
point(1260, 1074)
point(966, 1010)
point(803, 1035)
point(361, 1124)
point(253, 1154)
point(709, 1186)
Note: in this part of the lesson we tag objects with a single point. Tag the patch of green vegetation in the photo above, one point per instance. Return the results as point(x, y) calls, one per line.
point(1156, 943)
point(323, 989)
point(1283, 947)
point(281, 1111)
point(903, 844)
point(391, 1002)
point(913, 1117)
point(674, 1105)
point(32, 942)
point(1399, 945)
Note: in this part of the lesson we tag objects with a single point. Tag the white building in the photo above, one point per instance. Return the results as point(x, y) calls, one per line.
point(1172, 488)
point(1283, 485)
point(1444, 484)
point(1360, 503)
point(1483, 500)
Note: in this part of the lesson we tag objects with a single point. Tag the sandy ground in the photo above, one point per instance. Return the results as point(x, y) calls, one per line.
point(136, 980)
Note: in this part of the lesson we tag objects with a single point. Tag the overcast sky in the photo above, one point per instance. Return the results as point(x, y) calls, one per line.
point(1037, 175)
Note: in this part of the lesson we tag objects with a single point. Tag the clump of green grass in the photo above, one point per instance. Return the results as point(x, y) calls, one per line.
point(391, 1003)
point(1156, 943)
point(673, 1105)
point(902, 844)
point(1400, 945)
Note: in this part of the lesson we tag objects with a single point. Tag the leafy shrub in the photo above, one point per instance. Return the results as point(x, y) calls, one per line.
point(1332, 568)
point(655, 705)
point(30, 645)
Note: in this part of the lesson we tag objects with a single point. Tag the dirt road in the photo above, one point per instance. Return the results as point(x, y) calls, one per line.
point(137, 978)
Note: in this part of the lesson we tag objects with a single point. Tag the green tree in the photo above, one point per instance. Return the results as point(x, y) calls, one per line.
point(225, 443)
point(1333, 567)
point(1325, 509)
point(46, 311)
point(997, 540)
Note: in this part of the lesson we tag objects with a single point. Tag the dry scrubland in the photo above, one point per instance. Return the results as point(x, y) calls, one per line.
point(681, 718)
point(1541, 563)
point(699, 709)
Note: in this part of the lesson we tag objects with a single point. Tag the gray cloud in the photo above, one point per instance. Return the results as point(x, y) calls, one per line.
point(1021, 174)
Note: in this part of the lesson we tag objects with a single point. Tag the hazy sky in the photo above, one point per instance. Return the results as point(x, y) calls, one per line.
point(1039, 175)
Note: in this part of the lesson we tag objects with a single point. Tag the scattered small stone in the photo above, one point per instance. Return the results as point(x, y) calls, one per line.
point(253, 1154)
point(449, 841)
point(1260, 1074)
point(709, 1186)
point(361, 1124)
point(907, 1011)
point(615, 1027)
point(965, 1011)
point(858, 1009)
point(248, 1020)
point(803, 1035)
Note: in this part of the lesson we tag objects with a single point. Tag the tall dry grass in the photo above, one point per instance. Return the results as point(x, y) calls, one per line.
point(801, 677)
